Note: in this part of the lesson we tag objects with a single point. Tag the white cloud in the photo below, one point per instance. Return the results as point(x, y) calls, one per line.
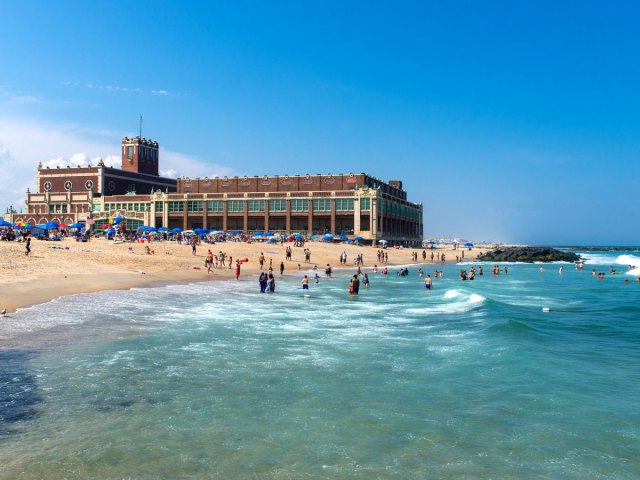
point(180, 164)
point(25, 143)
point(160, 93)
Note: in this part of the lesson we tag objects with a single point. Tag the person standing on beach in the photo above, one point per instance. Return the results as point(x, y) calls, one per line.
point(281, 268)
point(208, 262)
point(27, 247)
point(194, 241)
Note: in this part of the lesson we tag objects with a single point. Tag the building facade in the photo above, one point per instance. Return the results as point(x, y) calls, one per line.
point(350, 204)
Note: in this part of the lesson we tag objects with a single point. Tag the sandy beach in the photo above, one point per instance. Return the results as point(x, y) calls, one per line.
point(67, 267)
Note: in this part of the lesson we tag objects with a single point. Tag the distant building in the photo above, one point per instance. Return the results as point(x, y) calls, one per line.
point(350, 204)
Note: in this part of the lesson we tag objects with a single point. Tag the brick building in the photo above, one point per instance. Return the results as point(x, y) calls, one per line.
point(352, 204)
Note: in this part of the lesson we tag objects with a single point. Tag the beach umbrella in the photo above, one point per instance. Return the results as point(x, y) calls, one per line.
point(163, 229)
point(4, 223)
point(63, 225)
point(51, 225)
point(117, 220)
point(105, 225)
point(431, 242)
point(77, 225)
point(268, 234)
point(343, 237)
point(383, 241)
point(314, 236)
point(468, 244)
point(358, 239)
point(176, 230)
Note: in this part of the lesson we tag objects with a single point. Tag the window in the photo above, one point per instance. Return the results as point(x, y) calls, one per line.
point(118, 206)
point(235, 206)
point(321, 204)
point(175, 207)
point(365, 204)
point(129, 153)
point(255, 205)
point(279, 205)
point(159, 206)
point(215, 206)
point(96, 208)
point(344, 204)
point(300, 205)
point(195, 206)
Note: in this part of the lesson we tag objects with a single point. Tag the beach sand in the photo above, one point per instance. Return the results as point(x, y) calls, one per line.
point(55, 269)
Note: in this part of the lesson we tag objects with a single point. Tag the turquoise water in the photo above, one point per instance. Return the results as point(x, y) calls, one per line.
point(472, 380)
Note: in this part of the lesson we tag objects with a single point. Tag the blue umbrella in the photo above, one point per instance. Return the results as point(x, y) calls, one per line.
point(163, 229)
point(468, 244)
point(343, 237)
point(4, 223)
point(51, 226)
point(77, 225)
point(117, 220)
point(431, 242)
point(268, 234)
point(176, 230)
point(329, 235)
point(358, 239)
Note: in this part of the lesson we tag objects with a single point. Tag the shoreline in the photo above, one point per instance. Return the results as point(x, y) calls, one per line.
point(58, 269)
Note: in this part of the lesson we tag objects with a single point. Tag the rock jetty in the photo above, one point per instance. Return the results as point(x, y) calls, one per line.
point(528, 254)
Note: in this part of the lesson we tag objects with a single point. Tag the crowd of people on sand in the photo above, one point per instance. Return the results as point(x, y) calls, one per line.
point(267, 281)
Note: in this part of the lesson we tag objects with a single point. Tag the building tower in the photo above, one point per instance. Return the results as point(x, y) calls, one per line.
point(140, 155)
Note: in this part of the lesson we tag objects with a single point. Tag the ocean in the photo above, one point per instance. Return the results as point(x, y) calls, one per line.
point(472, 380)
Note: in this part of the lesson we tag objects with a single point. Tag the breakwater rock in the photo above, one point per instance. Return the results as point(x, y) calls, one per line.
point(528, 254)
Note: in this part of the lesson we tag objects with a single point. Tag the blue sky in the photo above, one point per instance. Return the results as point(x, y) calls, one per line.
point(510, 121)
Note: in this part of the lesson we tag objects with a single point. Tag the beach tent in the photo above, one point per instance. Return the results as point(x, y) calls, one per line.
point(342, 237)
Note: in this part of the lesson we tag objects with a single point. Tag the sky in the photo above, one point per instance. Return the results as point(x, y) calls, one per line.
point(515, 122)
